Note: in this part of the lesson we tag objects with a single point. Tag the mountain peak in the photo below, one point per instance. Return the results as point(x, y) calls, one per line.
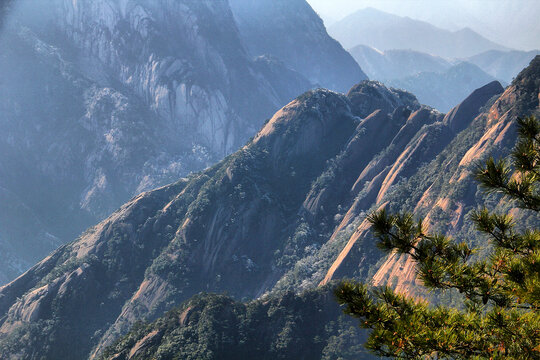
point(460, 116)
point(531, 72)
point(325, 64)
point(370, 95)
point(466, 30)
point(306, 126)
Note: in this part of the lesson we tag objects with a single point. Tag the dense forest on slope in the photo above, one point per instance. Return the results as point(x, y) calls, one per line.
point(288, 326)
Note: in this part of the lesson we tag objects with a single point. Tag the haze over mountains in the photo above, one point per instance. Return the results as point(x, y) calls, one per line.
point(513, 24)
point(242, 149)
point(101, 101)
point(439, 66)
point(503, 65)
point(434, 80)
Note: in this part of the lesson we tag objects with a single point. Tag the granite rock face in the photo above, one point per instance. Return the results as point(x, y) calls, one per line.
point(101, 100)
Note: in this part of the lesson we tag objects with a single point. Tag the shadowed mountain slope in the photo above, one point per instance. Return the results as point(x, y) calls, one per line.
point(288, 326)
point(169, 244)
point(451, 136)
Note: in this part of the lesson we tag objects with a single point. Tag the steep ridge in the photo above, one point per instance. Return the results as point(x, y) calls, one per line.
point(443, 192)
point(404, 158)
point(110, 260)
point(203, 233)
point(453, 136)
point(291, 31)
point(101, 100)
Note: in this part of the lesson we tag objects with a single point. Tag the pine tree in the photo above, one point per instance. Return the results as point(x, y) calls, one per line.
point(500, 316)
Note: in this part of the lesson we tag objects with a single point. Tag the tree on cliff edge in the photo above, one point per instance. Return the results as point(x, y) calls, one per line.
point(500, 318)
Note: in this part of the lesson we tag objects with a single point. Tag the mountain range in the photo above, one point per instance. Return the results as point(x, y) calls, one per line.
point(440, 82)
point(503, 65)
point(436, 81)
point(396, 63)
point(444, 90)
point(439, 66)
point(510, 23)
point(103, 100)
point(399, 63)
point(287, 212)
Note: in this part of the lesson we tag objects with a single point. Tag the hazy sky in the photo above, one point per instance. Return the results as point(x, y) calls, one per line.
point(513, 23)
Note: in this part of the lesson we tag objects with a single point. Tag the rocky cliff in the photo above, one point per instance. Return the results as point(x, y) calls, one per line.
point(482, 123)
point(101, 100)
point(442, 192)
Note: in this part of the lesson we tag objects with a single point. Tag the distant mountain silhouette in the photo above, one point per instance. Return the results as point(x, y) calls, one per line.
point(444, 90)
point(434, 80)
point(386, 31)
point(503, 65)
point(396, 64)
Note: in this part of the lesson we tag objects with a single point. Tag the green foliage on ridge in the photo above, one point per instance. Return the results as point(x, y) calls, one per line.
point(210, 326)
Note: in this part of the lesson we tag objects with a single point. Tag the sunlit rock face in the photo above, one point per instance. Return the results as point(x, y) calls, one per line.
point(100, 100)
